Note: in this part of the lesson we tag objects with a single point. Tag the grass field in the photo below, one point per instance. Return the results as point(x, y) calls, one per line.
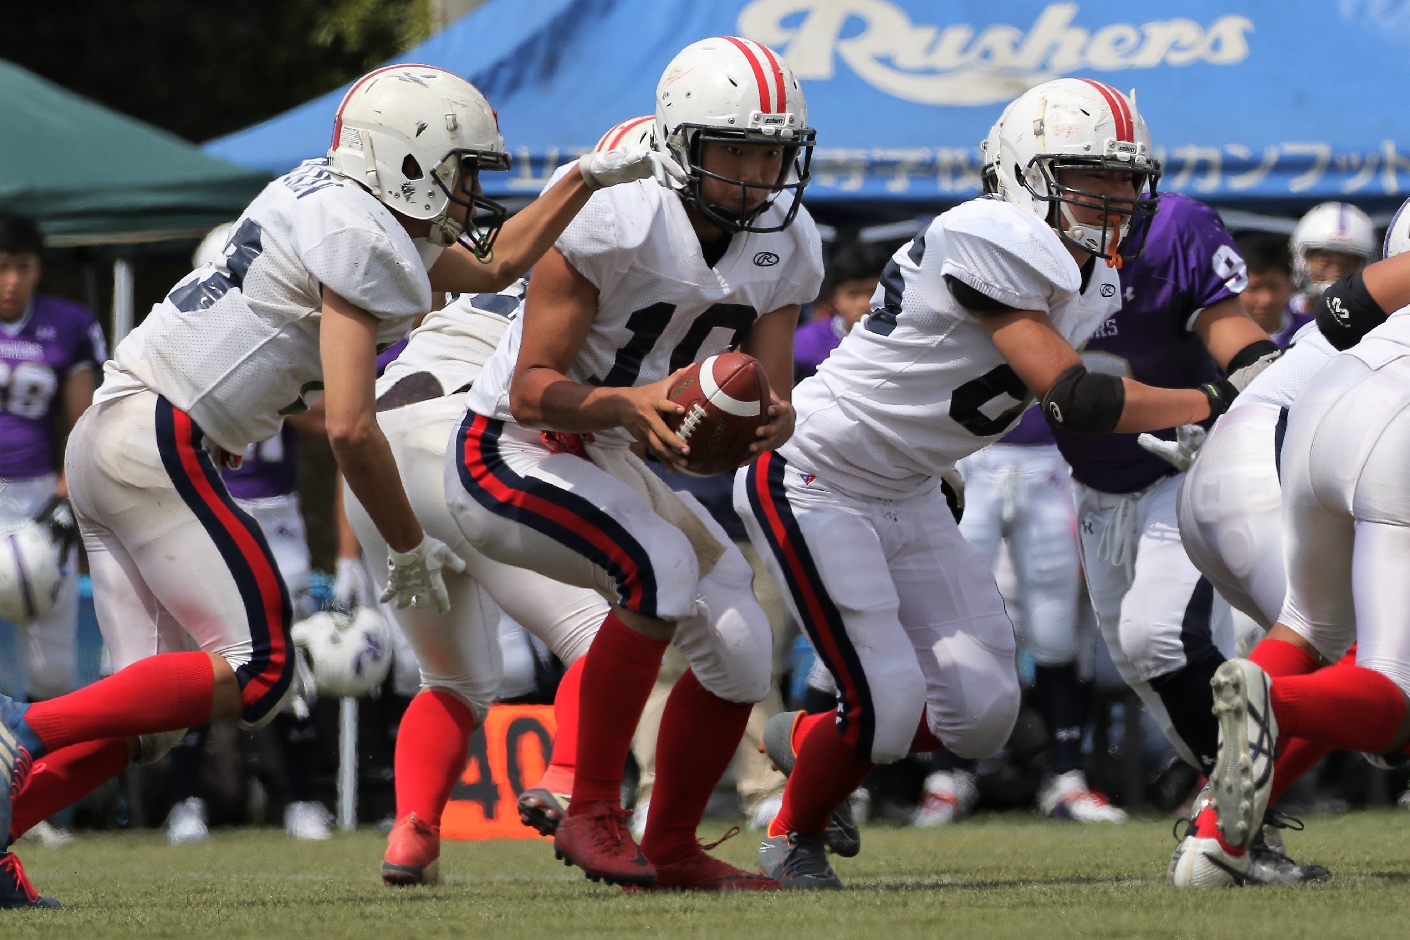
point(997, 876)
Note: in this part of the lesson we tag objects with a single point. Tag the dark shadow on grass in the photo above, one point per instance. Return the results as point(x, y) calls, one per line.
point(952, 884)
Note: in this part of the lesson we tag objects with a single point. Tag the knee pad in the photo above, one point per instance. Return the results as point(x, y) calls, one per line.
point(729, 644)
point(896, 707)
point(153, 747)
point(994, 718)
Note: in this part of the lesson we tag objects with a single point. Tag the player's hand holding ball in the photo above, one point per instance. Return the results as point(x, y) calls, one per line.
point(646, 411)
point(625, 164)
point(414, 577)
point(722, 413)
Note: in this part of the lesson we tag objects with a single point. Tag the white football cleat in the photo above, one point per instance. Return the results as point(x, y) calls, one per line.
point(1243, 772)
point(186, 824)
point(947, 797)
point(637, 823)
point(1203, 861)
point(1066, 796)
point(48, 835)
point(307, 821)
point(768, 808)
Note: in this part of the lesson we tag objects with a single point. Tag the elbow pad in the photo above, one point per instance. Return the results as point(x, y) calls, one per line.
point(1347, 311)
point(1085, 402)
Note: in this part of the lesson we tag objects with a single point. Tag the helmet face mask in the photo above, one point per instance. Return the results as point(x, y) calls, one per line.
point(795, 172)
point(1330, 227)
point(1099, 239)
point(480, 218)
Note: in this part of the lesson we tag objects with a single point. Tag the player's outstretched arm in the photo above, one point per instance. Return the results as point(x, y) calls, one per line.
point(1079, 400)
point(348, 348)
point(770, 340)
point(559, 307)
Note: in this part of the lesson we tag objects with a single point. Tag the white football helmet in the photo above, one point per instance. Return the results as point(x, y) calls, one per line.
point(633, 132)
point(351, 653)
point(1081, 124)
point(212, 246)
point(418, 137)
point(31, 572)
point(1332, 226)
point(1397, 240)
point(730, 89)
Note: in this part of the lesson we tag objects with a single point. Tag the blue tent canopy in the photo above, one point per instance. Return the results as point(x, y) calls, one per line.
point(1259, 104)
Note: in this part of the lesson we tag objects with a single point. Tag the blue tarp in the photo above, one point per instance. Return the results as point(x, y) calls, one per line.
point(1270, 104)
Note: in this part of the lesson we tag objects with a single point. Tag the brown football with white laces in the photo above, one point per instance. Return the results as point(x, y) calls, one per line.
point(726, 399)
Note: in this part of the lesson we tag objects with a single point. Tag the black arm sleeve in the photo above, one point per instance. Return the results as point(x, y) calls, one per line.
point(1085, 402)
point(1347, 312)
point(1250, 354)
point(972, 300)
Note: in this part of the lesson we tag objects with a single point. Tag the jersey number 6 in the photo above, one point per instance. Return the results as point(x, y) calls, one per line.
point(969, 398)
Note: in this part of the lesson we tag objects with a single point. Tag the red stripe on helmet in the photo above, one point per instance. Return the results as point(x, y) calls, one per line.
point(338, 118)
point(782, 99)
point(1120, 110)
point(620, 132)
point(759, 79)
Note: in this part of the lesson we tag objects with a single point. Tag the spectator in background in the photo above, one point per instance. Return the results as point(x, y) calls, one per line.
point(853, 271)
point(49, 349)
point(1268, 297)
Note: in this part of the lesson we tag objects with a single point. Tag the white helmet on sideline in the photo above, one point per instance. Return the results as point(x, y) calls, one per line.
point(730, 89)
point(30, 573)
point(633, 132)
point(351, 653)
point(418, 137)
point(1332, 226)
point(1073, 123)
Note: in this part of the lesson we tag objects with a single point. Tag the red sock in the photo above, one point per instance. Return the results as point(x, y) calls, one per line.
point(825, 774)
point(618, 673)
point(699, 734)
point(63, 777)
point(1295, 758)
point(432, 747)
point(156, 694)
point(925, 741)
point(1205, 828)
point(1342, 706)
point(1281, 658)
point(558, 775)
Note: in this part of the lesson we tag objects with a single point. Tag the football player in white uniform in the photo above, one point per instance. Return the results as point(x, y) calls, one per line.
point(1231, 512)
point(1346, 538)
point(644, 282)
point(330, 261)
point(971, 320)
point(1332, 241)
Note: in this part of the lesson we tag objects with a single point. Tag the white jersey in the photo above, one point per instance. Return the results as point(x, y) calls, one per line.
point(660, 306)
point(919, 384)
point(235, 344)
point(1279, 383)
point(453, 344)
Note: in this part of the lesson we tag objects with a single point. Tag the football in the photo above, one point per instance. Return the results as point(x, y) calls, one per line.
point(725, 399)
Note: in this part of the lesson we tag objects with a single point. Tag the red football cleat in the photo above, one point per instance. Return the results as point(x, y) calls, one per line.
point(541, 810)
point(413, 853)
point(704, 872)
point(599, 843)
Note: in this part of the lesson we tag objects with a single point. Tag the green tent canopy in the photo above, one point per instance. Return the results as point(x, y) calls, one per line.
point(93, 176)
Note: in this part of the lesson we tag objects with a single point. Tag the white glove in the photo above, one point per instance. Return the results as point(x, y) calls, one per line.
point(352, 586)
point(1179, 453)
point(610, 167)
point(414, 578)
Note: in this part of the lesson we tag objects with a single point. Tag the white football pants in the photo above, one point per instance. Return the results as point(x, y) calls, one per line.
point(903, 610)
point(48, 645)
point(1023, 493)
point(1230, 511)
point(176, 563)
point(283, 527)
point(1142, 584)
point(460, 651)
point(1346, 510)
point(522, 503)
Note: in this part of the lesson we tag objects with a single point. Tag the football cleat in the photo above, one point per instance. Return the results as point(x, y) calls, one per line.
point(15, 889)
point(843, 836)
point(636, 820)
point(541, 810)
point(798, 862)
point(1243, 772)
point(1066, 796)
point(186, 823)
point(48, 835)
point(18, 744)
point(1270, 864)
point(413, 853)
point(947, 797)
point(765, 813)
point(598, 841)
point(1204, 860)
point(307, 821)
point(700, 871)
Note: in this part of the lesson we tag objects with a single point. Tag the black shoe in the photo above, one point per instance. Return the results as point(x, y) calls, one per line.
point(15, 889)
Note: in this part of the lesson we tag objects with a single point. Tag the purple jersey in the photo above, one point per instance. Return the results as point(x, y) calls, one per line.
point(1294, 319)
point(1189, 263)
point(387, 356)
point(52, 341)
point(1031, 429)
point(271, 468)
point(812, 344)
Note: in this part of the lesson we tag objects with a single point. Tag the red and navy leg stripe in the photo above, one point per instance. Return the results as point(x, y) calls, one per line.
point(241, 543)
point(856, 718)
point(562, 516)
